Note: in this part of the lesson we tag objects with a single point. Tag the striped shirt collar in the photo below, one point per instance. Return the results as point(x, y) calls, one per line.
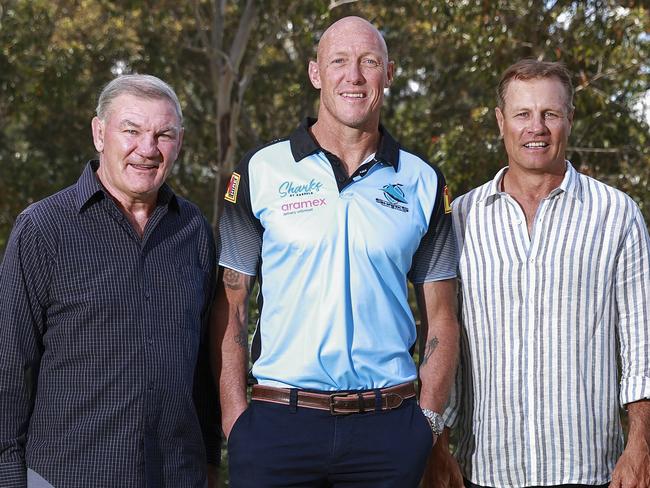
point(570, 185)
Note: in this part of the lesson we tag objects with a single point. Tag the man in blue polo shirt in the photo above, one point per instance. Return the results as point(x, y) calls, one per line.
point(333, 220)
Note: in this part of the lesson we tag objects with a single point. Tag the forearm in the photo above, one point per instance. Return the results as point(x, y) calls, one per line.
point(639, 424)
point(232, 372)
point(438, 364)
point(438, 342)
point(633, 467)
point(229, 344)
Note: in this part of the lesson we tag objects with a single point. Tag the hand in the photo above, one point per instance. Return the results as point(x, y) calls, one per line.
point(633, 467)
point(442, 469)
point(229, 418)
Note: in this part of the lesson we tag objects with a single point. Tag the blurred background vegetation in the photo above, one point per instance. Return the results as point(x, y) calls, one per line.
point(240, 70)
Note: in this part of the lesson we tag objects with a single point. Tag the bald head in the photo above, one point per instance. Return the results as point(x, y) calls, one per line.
point(351, 71)
point(350, 28)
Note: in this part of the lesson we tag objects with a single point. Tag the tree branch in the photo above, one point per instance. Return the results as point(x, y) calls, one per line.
point(337, 3)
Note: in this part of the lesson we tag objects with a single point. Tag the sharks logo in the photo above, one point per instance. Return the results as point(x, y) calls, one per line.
point(394, 197)
point(394, 193)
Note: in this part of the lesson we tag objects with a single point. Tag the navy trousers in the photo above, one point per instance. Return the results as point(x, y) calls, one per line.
point(274, 445)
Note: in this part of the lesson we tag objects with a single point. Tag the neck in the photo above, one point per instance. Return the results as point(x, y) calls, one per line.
point(529, 185)
point(137, 211)
point(352, 146)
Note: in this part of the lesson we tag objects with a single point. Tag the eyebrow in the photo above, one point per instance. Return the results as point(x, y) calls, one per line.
point(547, 108)
point(135, 125)
point(347, 54)
point(128, 123)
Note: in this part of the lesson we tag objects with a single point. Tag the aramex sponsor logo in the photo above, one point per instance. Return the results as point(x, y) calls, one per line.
point(302, 206)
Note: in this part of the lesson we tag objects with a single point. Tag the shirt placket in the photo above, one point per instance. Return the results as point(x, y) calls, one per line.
point(533, 301)
point(152, 450)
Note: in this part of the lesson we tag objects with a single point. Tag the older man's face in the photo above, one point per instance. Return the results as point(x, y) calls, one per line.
point(138, 144)
point(535, 124)
point(352, 72)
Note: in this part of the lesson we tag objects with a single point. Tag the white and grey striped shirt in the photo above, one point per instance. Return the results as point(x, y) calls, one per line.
point(546, 318)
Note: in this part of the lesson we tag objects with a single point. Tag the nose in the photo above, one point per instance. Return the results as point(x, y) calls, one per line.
point(537, 123)
point(354, 74)
point(148, 146)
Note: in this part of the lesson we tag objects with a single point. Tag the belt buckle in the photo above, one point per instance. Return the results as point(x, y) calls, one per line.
point(332, 397)
point(387, 397)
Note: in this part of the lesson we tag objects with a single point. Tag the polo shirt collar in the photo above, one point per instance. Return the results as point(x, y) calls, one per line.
point(303, 144)
point(89, 190)
point(570, 184)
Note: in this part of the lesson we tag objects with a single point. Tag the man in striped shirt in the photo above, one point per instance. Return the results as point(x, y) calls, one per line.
point(555, 288)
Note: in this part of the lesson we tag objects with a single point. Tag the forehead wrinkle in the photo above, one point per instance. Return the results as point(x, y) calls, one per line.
point(562, 93)
point(124, 122)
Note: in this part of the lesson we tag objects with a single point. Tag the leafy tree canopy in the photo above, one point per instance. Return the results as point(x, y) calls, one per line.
point(240, 71)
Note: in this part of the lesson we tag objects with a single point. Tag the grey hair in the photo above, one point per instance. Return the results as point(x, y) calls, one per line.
point(141, 86)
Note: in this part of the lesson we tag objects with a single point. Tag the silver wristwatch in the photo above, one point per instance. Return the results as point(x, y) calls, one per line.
point(435, 421)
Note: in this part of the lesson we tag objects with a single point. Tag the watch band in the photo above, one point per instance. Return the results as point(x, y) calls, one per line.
point(436, 422)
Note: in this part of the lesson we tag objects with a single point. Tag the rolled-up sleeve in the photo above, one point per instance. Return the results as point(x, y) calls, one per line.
point(633, 302)
point(23, 280)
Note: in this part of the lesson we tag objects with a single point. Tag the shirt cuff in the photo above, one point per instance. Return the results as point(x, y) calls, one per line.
point(634, 388)
point(450, 416)
point(13, 475)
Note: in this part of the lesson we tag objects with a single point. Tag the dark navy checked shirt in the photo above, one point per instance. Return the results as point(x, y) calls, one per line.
point(104, 376)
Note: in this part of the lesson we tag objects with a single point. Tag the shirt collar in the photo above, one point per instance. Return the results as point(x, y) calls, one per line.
point(570, 184)
point(303, 144)
point(90, 190)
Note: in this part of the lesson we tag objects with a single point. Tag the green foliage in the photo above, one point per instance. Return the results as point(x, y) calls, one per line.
point(56, 56)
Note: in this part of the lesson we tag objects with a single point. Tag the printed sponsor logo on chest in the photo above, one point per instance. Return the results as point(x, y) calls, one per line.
point(300, 197)
point(393, 197)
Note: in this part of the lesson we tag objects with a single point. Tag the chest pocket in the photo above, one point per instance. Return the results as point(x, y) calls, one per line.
point(191, 286)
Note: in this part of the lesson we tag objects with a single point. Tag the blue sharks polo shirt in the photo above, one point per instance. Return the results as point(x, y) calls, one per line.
point(333, 254)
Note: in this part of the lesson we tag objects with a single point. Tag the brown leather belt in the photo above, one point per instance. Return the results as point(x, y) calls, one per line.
point(338, 403)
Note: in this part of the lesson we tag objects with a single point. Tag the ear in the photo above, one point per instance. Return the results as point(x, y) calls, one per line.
point(390, 73)
point(499, 115)
point(180, 141)
point(314, 74)
point(98, 134)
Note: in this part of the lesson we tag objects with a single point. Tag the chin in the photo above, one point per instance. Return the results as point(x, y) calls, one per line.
point(358, 123)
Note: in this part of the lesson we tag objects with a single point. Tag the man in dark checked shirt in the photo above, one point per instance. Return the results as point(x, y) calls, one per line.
point(106, 285)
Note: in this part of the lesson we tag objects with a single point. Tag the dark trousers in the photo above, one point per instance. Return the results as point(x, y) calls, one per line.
point(274, 445)
point(469, 484)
